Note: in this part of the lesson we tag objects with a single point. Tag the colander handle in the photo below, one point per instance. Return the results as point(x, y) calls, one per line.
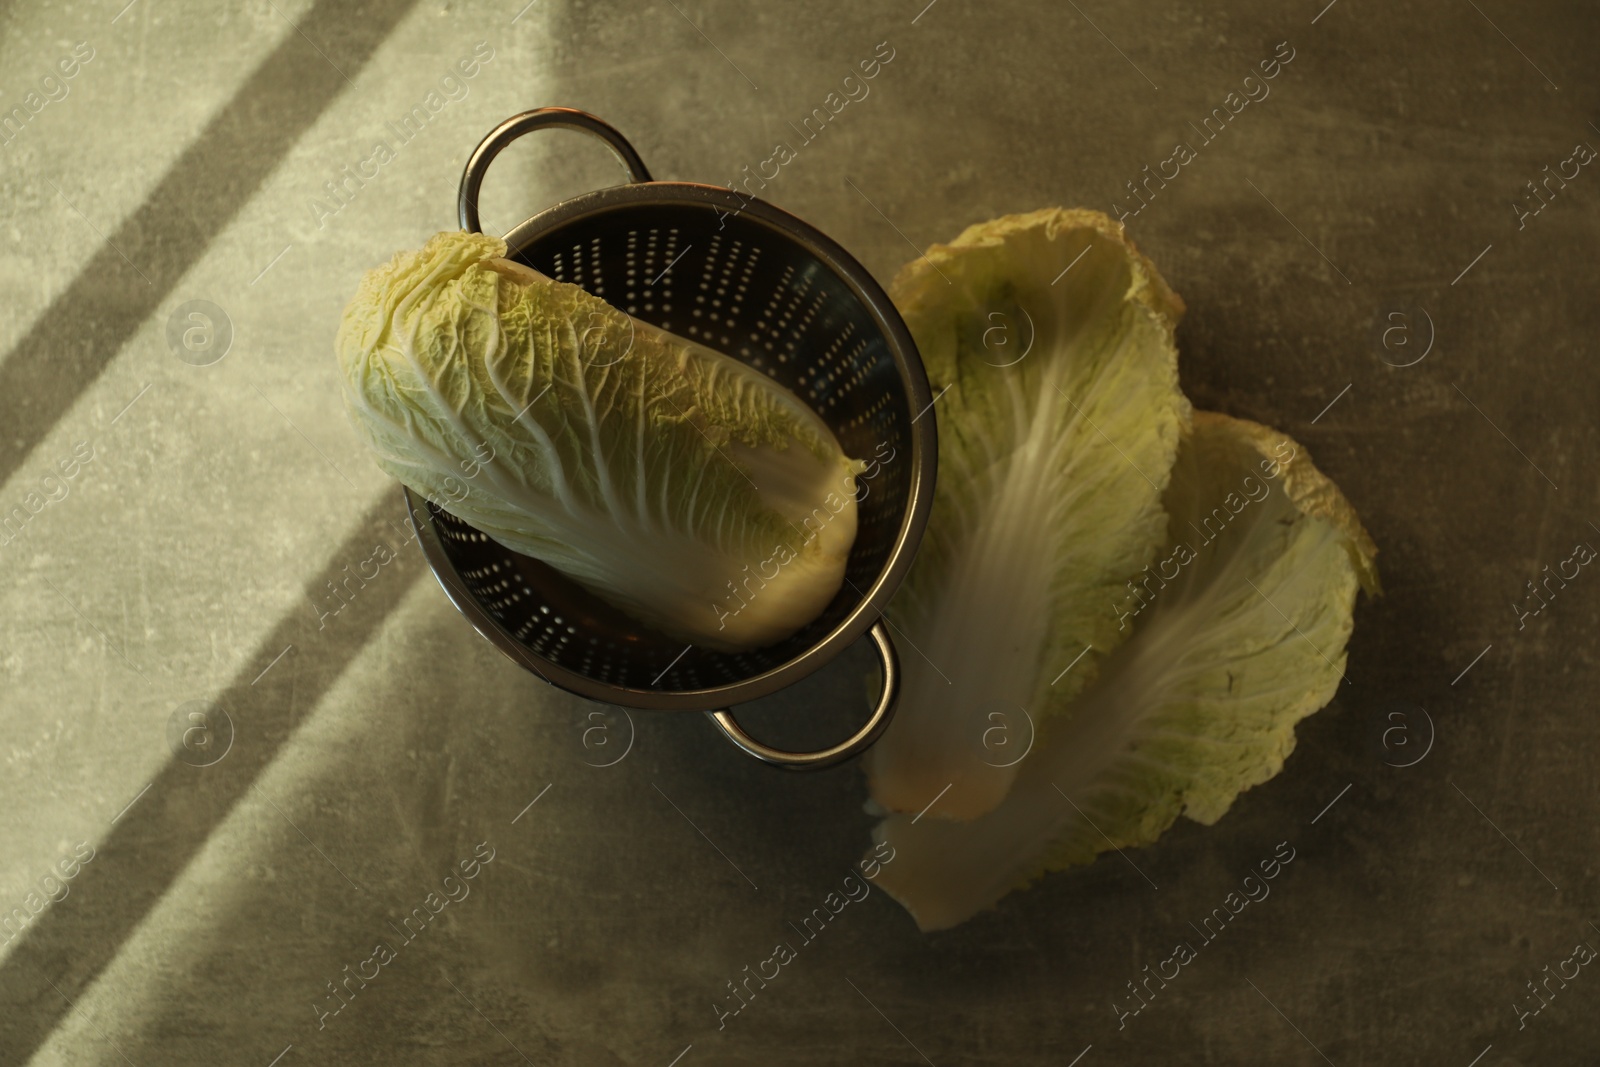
point(565, 118)
point(827, 757)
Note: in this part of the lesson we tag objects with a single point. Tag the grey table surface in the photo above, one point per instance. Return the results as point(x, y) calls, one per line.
point(185, 158)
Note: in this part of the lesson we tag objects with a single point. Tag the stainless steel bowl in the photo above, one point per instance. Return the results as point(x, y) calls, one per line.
point(757, 284)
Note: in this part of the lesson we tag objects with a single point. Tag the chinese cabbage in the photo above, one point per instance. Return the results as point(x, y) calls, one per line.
point(681, 485)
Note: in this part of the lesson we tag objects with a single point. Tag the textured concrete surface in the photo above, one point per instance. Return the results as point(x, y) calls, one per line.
point(377, 751)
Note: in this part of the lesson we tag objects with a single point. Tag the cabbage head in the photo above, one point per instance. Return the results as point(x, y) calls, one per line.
point(681, 485)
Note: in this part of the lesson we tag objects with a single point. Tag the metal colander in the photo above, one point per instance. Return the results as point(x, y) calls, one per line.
point(757, 284)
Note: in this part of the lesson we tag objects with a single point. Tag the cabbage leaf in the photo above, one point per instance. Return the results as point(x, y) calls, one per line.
point(1051, 337)
point(1240, 636)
